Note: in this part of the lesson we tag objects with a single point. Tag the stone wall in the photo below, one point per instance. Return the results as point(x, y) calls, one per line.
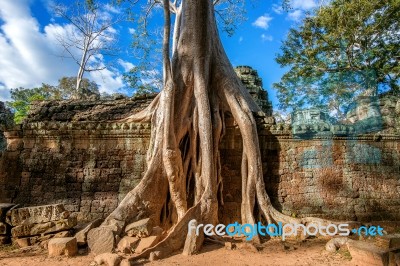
point(87, 166)
point(344, 178)
point(90, 166)
point(72, 152)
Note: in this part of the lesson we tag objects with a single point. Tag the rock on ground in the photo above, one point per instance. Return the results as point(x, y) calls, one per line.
point(108, 259)
point(364, 253)
point(101, 240)
point(63, 246)
point(146, 243)
point(128, 244)
point(141, 228)
point(81, 236)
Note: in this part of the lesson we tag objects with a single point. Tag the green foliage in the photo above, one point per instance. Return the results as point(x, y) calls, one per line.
point(66, 88)
point(23, 97)
point(347, 48)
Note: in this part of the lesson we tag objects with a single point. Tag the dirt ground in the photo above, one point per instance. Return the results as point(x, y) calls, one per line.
point(274, 252)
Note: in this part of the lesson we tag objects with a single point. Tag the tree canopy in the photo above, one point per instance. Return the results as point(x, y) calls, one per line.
point(347, 48)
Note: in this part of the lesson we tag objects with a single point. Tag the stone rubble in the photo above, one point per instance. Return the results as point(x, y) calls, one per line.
point(141, 228)
point(63, 246)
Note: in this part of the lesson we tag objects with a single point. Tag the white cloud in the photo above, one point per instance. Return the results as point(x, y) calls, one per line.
point(132, 30)
point(262, 22)
point(126, 65)
point(30, 57)
point(303, 4)
point(112, 9)
point(265, 37)
point(295, 15)
point(278, 9)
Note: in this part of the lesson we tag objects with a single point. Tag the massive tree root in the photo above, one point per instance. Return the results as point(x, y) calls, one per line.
point(183, 179)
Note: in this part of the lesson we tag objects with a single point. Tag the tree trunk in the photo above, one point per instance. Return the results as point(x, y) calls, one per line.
point(183, 179)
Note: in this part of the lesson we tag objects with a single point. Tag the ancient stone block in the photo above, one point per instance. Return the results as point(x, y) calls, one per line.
point(43, 228)
point(108, 259)
point(81, 236)
point(62, 246)
point(101, 240)
point(388, 241)
point(364, 253)
point(23, 242)
point(128, 244)
point(141, 228)
point(37, 214)
point(146, 243)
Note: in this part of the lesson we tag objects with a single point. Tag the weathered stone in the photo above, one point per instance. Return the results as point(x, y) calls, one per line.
point(146, 243)
point(101, 240)
point(23, 242)
point(335, 243)
point(108, 259)
point(37, 214)
point(388, 241)
point(81, 236)
point(63, 246)
point(127, 244)
point(364, 253)
point(62, 234)
point(43, 228)
point(141, 228)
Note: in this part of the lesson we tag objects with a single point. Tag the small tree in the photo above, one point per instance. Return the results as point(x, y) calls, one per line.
point(92, 37)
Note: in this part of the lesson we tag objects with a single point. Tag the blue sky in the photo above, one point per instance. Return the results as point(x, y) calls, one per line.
point(29, 50)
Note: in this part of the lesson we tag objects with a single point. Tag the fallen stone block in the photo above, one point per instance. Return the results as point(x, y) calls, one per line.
point(388, 241)
point(364, 253)
point(128, 244)
point(62, 234)
point(101, 240)
point(108, 259)
point(141, 228)
point(146, 242)
point(43, 228)
point(81, 236)
point(63, 246)
point(23, 242)
point(335, 243)
point(37, 214)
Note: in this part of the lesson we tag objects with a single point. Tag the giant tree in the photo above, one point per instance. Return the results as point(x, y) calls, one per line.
point(183, 180)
